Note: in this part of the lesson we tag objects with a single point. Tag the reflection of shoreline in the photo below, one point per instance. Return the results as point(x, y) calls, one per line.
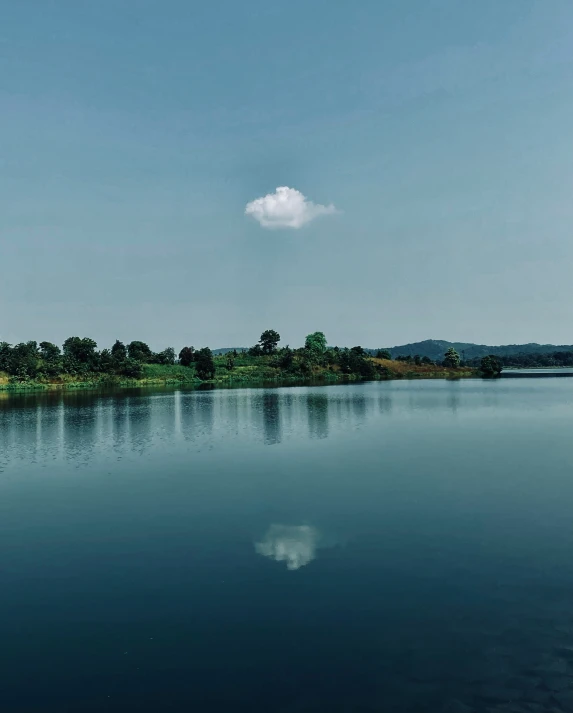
point(317, 409)
point(84, 425)
point(271, 418)
point(294, 544)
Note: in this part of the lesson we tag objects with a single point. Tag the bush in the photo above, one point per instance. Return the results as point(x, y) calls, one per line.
point(131, 368)
point(490, 366)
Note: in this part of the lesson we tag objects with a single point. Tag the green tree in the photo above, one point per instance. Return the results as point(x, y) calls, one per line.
point(314, 351)
point(139, 351)
point(451, 358)
point(286, 358)
point(80, 355)
point(119, 351)
point(204, 364)
point(81, 349)
point(5, 356)
point(167, 356)
point(355, 361)
point(269, 341)
point(315, 343)
point(383, 354)
point(24, 361)
point(256, 350)
point(49, 352)
point(51, 358)
point(187, 356)
point(107, 363)
point(490, 366)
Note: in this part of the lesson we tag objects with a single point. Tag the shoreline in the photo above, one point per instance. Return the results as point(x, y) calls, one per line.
point(326, 379)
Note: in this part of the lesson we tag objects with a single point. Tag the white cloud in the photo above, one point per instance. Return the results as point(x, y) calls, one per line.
point(294, 544)
point(286, 208)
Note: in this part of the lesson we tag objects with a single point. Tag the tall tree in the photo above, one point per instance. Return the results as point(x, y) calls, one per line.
point(51, 357)
point(269, 341)
point(204, 364)
point(314, 348)
point(315, 343)
point(451, 358)
point(119, 351)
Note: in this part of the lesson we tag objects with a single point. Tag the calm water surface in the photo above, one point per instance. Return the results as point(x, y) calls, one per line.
point(398, 546)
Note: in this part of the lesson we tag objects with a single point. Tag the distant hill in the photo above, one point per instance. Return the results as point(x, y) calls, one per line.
point(226, 350)
point(435, 349)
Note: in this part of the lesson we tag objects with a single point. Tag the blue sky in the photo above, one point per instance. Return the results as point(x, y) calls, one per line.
point(135, 132)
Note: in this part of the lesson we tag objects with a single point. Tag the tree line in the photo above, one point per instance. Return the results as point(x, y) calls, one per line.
point(79, 356)
point(524, 361)
point(492, 365)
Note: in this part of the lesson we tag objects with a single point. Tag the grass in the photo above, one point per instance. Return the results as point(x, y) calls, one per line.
point(152, 374)
point(403, 369)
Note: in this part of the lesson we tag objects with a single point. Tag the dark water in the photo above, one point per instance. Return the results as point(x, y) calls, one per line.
point(375, 547)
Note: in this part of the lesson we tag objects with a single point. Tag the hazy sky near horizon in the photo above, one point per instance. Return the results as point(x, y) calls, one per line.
point(436, 134)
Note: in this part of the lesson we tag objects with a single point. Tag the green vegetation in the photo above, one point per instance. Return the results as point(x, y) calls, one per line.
point(383, 354)
point(528, 360)
point(435, 349)
point(269, 341)
point(452, 358)
point(79, 364)
point(490, 366)
point(205, 364)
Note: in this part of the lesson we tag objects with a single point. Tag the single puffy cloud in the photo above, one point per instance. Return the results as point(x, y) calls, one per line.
point(285, 208)
point(294, 544)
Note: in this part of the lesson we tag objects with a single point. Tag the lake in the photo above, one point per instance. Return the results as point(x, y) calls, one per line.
point(402, 546)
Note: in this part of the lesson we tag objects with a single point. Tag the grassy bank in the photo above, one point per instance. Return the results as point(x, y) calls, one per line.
point(405, 370)
point(153, 374)
point(246, 370)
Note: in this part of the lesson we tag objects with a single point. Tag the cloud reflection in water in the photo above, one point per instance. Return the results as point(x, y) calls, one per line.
point(294, 544)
